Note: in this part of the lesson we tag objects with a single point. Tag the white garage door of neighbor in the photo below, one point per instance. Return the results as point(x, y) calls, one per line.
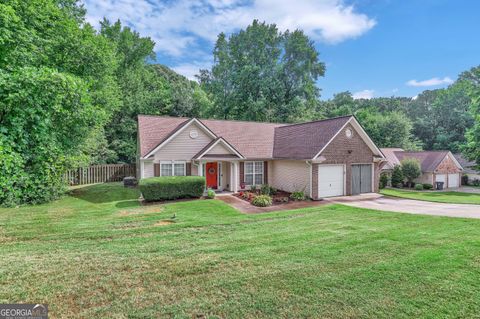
point(453, 180)
point(330, 180)
point(441, 178)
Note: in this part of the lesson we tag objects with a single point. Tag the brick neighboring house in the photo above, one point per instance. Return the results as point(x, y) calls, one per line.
point(437, 166)
point(470, 168)
point(324, 158)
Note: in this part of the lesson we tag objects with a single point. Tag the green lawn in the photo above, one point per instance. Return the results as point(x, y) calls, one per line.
point(441, 197)
point(98, 254)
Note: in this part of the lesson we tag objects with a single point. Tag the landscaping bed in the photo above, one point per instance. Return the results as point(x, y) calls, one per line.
point(269, 196)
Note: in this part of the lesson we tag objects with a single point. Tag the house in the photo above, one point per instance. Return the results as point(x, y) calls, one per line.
point(436, 166)
point(324, 158)
point(470, 168)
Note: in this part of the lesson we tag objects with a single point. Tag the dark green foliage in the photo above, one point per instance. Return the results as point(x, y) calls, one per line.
point(262, 74)
point(268, 190)
point(262, 201)
point(383, 180)
point(471, 79)
point(464, 179)
point(411, 169)
point(172, 187)
point(397, 176)
point(300, 195)
point(476, 182)
point(419, 187)
point(427, 186)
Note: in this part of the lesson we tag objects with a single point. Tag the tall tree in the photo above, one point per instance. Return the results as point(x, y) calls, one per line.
point(57, 87)
point(262, 74)
point(472, 148)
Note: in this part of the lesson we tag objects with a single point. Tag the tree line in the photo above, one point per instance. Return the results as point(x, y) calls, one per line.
point(70, 94)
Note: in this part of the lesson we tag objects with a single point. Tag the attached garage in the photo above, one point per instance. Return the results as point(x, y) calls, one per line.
point(441, 178)
point(453, 180)
point(362, 175)
point(331, 181)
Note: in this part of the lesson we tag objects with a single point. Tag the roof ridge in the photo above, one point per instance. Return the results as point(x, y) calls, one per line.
point(317, 121)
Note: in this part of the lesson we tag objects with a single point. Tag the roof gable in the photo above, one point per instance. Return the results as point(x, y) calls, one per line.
point(218, 148)
point(429, 160)
point(305, 140)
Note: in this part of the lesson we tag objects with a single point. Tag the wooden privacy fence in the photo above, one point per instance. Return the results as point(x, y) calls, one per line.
point(99, 174)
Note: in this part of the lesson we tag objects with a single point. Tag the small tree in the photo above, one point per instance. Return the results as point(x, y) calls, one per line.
point(411, 169)
point(397, 176)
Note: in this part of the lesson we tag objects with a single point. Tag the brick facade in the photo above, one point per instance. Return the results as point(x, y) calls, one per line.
point(446, 166)
point(344, 150)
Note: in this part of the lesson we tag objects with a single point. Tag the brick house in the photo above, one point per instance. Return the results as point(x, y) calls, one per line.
point(324, 158)
point(436, 166)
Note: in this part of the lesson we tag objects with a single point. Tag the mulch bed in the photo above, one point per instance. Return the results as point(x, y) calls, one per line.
point(280, 198)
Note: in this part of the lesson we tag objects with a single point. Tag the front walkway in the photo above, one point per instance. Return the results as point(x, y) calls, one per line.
point(410, 206)
point(247, 208)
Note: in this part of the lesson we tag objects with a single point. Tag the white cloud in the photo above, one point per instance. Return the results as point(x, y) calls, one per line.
point(430, 82)
point(180, 26)
point(189, 70)
point(365, 94)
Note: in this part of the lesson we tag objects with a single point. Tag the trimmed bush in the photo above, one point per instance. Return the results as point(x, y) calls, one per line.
point(397, 176)
point(262, 201)
point(172, 187)
point(419, 187)
point(211, 194)
point(427, 186)
point(476, 182)
point(297, 196)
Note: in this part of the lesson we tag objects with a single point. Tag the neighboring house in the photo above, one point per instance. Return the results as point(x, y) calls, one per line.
point(437, 166)
point(324, 158)
point(469, 167)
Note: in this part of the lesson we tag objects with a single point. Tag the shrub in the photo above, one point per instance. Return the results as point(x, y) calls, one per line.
point(265, 190)
point(297, 195)
point(476, 182)
point(411, 169)
point(383, 180)
point(210, 193)
point(419, 187)
point(427, 186)
point(397, 176)
point(253, 188)
point(172, 187)
point(464, 179)
point(262, 201)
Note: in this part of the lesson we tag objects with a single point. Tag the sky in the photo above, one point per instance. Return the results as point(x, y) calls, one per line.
point(371, 48)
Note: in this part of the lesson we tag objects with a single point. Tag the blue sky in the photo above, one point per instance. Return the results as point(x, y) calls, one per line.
point(371, 47)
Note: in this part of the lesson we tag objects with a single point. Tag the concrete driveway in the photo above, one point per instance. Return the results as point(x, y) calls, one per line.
point(410, 206)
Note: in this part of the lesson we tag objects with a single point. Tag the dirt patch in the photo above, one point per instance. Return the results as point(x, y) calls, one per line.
point(143, 210)
point(164, 222)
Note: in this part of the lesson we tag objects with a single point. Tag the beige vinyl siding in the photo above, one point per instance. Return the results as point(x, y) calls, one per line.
point(289, 175)
point(148, 169)
point(219, 149)
point(183, 147)
point(425, 178)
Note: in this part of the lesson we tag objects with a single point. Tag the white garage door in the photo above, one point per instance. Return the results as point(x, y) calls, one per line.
point(330, 180)
point(453, 180)
point(441, 178)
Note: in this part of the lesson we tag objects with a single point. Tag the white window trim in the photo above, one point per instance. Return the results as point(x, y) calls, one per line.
point(172, 163)
point(253, 172)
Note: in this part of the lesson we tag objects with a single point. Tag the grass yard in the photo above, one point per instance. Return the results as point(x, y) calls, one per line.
point(441, 197)
point(97, 253)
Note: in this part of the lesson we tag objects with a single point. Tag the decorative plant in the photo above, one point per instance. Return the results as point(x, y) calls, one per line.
point(397, 176)
point(383, 180)
point(427, 186)
point(253, 188)
point(210, 193)
point(299, 195)
point(262, 201)
point(419, 187)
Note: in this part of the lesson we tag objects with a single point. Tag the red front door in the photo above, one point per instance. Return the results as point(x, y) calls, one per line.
point(211, 174)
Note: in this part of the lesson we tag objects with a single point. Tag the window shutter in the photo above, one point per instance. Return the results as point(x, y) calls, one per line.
point(156, 169)
point(242, 172)
point(188, 169)
point(265, 172)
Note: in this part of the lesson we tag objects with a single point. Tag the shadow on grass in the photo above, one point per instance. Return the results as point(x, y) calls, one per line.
point(106, 193)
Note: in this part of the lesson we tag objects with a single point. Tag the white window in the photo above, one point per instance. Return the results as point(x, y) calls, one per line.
point(253, 173)
point(172, 168)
